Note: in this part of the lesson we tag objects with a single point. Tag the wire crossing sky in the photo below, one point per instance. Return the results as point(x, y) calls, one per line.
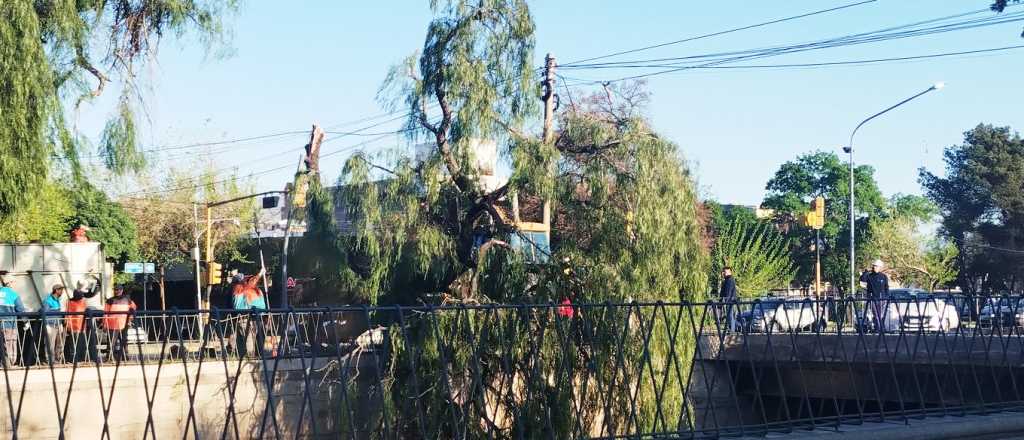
point(751, 85)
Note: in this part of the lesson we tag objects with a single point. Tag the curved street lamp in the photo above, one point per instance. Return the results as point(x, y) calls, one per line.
point(849, 150)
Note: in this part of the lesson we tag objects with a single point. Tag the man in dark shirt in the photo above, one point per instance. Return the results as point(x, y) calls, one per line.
point(877, 282)
point(727, 294)
point(877, 289)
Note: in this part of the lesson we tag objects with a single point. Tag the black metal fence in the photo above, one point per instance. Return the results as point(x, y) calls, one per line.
point(658, 370)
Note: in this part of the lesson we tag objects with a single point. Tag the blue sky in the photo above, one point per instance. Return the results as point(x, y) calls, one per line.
point(323, 61)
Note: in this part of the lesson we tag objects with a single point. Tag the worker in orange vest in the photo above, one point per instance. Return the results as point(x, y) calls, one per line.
point(117, 316)
point(80, 327)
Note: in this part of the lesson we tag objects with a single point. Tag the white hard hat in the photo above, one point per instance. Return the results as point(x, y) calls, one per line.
point(878, 263)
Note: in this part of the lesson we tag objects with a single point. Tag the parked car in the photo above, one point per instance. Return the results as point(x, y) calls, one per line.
point(909, 310)
point(133, 335)
point(783, 315)
point(1002, 312)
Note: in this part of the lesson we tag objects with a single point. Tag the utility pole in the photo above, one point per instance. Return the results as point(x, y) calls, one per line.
point(312, 171)
point(549, 98)
point(196, 255)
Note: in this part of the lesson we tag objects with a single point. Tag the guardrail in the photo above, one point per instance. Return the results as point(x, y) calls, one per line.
point(692, 370)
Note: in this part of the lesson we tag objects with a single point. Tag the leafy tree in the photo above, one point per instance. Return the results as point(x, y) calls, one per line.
point(50, 48)
point(758, 254)
point(721, 216)
point(910, 256)
point(1000, 5)
point(46, 217)
point(108, 222)
point(627, 221)
point(790, 192)
point(982, 205)
point(165, 222)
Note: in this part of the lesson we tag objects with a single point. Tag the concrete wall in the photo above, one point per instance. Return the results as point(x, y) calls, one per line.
point(171, 409)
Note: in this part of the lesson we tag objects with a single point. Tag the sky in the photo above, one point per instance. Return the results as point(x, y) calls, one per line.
point(324, 61)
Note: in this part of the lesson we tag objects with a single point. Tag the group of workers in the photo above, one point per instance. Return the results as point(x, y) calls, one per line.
point(70, 331)
point(70, 328)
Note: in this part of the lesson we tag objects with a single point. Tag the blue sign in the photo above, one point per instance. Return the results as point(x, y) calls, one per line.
point(133, 267)
point(139, 268)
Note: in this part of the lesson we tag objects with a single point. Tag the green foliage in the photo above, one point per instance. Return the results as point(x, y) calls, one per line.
point(108, 222)
point(790, 193)
point(629, 213)
point(758, 255)
point(909, 255)
point(48, 49)
point(165, 223)
point(28, 106)
point(916, 208)
point(118, 143)
point(982, 206)
point(627, 225)
point(45, 218)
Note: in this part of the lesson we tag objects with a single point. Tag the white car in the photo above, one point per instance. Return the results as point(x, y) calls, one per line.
point(912, 311)
point(783, 315)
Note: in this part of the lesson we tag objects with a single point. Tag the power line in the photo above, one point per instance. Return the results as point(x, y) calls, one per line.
point(886, 33)
point(855, 39)
point(821, 64)
point(295, 149)
point(211, 143)
point(727, 31)
point(250, 175)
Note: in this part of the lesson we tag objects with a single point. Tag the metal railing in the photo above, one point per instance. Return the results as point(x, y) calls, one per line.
point(692, 370)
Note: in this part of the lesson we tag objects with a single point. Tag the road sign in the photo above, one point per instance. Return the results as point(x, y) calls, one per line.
point(139, 268)
point(133, 267)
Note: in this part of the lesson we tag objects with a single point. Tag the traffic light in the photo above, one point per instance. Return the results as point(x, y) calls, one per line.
point(213, 273)
point(816, 218)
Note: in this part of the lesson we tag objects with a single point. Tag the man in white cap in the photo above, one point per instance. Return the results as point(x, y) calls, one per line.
point(877, 282)
point(877, 289)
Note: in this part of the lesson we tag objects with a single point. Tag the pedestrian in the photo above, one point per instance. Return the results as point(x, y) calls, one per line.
point(10, 303)
point(81, 329)
point(877, 290)
point(117, 316)
point(54, 328)
point(247, 296)
point(727, 296)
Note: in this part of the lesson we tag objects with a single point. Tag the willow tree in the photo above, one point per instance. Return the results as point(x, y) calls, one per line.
point(63, 52)
point(434, 230)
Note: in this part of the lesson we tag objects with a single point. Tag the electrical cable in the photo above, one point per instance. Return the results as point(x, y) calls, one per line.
point(823, 63)
point(251, 175)
point(727, 31)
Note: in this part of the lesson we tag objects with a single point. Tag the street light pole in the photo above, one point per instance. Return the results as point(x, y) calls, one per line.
point(849, 150)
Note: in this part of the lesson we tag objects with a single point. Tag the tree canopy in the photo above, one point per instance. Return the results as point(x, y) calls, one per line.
point(790, 192)
point(982, 206)
point(60, 51)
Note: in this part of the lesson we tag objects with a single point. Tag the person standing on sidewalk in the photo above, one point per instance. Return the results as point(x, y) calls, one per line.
point(54, 348)
point(727, 295)
point(117, 316)
point(10, 302)
point(877, 288)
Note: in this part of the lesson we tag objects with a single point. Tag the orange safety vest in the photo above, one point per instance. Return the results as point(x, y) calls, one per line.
point(117, 321)
point(76, 323)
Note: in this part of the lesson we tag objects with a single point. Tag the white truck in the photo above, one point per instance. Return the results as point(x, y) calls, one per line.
point(31, 269)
